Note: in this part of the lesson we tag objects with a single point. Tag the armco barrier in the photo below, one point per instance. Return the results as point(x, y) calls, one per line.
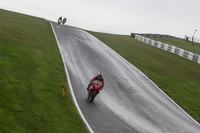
point(167, 47)
point(153, 35)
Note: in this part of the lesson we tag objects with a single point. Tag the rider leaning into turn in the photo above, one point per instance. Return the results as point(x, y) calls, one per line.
point(98, 77)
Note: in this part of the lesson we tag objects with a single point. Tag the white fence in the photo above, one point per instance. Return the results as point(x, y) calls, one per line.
point(167, 47)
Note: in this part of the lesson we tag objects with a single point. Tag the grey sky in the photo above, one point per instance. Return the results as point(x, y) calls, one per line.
point(173, 17)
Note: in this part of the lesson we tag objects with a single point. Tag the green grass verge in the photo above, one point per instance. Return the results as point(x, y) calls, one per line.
point(31, 76)
point(181, 44)
point(177, 76)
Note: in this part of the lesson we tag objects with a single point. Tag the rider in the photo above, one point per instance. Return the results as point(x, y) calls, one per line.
point(98, 77)
point(60, 20)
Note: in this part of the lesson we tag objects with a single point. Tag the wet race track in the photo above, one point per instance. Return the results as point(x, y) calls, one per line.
point(129, 102)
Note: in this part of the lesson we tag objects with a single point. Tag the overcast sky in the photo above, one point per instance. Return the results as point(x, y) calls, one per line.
point(172, 17)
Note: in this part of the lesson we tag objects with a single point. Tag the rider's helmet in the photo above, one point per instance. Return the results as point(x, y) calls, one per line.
point(100, 75)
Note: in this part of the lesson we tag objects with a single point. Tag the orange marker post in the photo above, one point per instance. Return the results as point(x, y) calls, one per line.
point(64, 91)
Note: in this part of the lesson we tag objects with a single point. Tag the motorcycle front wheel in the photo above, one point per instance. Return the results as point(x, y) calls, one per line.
point(92, 96)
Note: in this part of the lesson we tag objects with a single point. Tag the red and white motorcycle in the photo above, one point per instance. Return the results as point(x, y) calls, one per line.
point(94, 90)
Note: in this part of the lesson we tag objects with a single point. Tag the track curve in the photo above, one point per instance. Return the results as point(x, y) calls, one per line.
point(129, 102)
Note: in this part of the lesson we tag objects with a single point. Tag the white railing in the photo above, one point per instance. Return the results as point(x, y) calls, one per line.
point(167, 47)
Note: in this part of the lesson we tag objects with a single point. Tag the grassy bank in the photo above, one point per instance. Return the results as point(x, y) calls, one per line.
point(31, 76)
point(178, 77)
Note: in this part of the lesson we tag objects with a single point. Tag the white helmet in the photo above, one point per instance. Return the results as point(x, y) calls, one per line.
point(100, 75)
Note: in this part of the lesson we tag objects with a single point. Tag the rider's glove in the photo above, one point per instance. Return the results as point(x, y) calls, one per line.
point(101, 87)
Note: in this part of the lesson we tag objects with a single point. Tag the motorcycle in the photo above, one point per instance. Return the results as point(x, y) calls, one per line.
point(64, 21)
point(59, 21)
point(94, 90)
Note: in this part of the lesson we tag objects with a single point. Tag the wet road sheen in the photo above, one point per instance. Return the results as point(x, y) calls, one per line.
point(129, 102)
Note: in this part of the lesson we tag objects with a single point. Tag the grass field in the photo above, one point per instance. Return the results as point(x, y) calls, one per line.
point(31, 79)
point(177, 76)
point(181, 44)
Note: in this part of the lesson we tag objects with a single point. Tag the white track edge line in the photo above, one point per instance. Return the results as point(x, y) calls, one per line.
point(168, 97)
point(153, 84)
point(70, 85)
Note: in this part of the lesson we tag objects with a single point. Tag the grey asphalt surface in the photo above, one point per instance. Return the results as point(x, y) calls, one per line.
point(129, 103)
